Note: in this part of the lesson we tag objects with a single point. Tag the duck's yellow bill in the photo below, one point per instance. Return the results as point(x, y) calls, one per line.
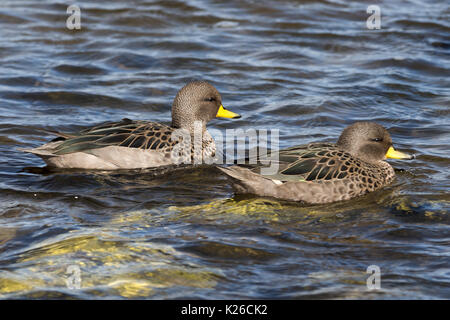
point(224, 113)
point(394, 154)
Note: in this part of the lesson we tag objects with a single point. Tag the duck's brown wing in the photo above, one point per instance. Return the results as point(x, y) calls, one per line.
point(313, 162)
point(125, 133)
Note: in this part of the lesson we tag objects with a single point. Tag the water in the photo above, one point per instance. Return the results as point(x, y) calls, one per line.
point(308, 68)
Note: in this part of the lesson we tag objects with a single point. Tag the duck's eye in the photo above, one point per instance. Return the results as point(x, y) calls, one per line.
point(210, 99)
point(377, 139)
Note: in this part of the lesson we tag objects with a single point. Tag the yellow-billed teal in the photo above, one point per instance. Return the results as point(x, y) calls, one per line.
point(325, 172)
point(132, 144)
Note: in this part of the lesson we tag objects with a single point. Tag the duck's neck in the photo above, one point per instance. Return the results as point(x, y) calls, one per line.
point(192, 127)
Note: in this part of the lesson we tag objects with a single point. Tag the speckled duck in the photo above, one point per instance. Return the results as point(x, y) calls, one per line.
point(325, 172)
point(132, 144)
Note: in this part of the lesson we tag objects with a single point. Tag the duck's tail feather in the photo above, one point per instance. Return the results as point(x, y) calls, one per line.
point(45, 151)
point(58, 134)
point(246, 181)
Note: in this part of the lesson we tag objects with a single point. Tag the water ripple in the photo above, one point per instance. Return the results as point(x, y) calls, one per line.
point(307, 68)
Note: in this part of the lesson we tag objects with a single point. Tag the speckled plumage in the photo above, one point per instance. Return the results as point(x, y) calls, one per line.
point(323, 172)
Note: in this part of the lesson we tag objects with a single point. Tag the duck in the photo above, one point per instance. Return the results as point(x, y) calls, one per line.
point(319, 173)
point(139, 144)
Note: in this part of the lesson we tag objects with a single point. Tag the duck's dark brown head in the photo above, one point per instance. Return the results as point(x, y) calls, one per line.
point(370, 142)
point(198, 101)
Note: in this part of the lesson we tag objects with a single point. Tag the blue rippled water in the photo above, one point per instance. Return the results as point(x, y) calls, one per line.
point(307, 68)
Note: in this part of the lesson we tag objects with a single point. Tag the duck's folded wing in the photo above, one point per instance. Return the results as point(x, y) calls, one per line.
point(312, 162)
point(125, 133)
